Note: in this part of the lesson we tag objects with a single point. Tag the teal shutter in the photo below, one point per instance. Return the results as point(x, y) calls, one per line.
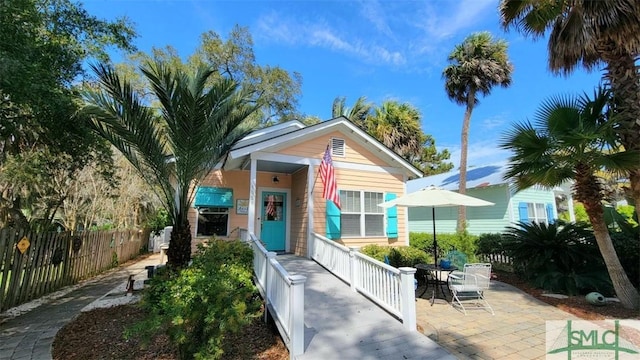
point(523, 212)
point(392, 217)
point(333, 220)
point(550, 216)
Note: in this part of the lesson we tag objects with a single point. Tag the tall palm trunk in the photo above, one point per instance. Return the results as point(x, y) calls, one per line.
point(464, 145)
point(623, 77)
point(588, 192)
point(179, 253)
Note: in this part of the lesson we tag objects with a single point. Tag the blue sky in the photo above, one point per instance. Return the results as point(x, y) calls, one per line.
point(379, 49)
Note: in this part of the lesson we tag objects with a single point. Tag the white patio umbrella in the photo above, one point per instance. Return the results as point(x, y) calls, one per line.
point(434, 197)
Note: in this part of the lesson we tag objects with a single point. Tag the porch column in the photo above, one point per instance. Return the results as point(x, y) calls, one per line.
point(408, 297)
point(309, 209)
point(251, 215)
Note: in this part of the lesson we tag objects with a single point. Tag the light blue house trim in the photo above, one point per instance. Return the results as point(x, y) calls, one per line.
point(487, 183)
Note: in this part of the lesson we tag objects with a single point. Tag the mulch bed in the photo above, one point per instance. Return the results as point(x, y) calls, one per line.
point(576, 305)
point(98, 334)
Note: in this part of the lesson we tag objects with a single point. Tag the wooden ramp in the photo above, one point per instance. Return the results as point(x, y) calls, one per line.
point(342, 324)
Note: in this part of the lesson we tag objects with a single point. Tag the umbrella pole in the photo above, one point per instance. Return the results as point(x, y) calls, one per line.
point(435, 243)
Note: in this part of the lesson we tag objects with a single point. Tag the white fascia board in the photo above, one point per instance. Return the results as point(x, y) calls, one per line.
point(270, 129)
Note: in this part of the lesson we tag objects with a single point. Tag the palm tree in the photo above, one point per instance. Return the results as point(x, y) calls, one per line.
point(176, 145)
point(397, 126)
point(569, 142)
point(588, 33)
point(358, 113)
point(476, 66)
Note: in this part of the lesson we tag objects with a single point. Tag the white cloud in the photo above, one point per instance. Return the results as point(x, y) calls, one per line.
point(373, 11)
point(493, 122)
point(274, 27)
point(444, 24)
point(478, 154)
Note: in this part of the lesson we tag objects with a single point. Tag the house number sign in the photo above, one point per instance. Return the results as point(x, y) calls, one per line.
point(23, 245)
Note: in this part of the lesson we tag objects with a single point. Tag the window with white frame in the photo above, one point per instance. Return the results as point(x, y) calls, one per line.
point(212, 221)
point(360, 214)
point(537, 213)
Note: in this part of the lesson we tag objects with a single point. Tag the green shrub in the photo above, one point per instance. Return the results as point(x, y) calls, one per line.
point(489, 244)
point(463, 242)
point(398, 256)
point(557, 257)
point(198, 306)
point(628, 249)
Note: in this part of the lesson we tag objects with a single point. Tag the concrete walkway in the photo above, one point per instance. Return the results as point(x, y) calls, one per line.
point(516, 331)
point(30, 335)
point(342, 324)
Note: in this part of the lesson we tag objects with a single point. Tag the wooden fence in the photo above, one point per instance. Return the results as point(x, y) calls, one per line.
point(36, 264)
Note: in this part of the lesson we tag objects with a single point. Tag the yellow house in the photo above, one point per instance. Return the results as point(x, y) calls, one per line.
point(268, 185)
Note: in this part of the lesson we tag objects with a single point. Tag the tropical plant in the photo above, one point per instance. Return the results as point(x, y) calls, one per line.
point(557, 257)
point(476, 65)
point(176, 146)
point(358, 113)
point(568, 143)
point(204, 303)
point(397, 126)
point(489, 243)
point(589, 33)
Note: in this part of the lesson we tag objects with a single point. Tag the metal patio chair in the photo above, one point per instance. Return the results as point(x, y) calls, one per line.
point(468, 286)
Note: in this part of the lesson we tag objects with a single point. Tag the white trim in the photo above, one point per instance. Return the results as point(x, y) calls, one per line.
point(197, 209)
point(406, 216)
point(287, 224)
point(274, 128)
point(251, 214)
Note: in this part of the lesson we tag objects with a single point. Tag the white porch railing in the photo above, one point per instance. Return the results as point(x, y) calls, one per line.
point(283, 295)
point(391, 288)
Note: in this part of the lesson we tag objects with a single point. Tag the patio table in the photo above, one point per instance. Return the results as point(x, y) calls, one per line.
point(434, 274)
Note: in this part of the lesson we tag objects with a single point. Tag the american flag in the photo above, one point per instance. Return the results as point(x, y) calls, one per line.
point(328, 176)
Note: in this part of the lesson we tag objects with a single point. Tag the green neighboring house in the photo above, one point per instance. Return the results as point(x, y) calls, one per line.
point(536, 203)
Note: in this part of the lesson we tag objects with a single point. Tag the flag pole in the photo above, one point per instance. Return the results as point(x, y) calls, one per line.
point(318, 173)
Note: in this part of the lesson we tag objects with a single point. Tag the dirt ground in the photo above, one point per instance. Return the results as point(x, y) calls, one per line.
point(98, 334)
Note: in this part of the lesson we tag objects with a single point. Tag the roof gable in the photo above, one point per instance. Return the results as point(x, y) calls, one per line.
point(277, 140)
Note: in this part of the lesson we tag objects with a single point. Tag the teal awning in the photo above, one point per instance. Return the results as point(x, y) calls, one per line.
point(213, 197)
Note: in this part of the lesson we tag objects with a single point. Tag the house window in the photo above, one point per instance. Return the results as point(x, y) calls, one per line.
point(537, 213)
point(360, 214)
point(212, 221)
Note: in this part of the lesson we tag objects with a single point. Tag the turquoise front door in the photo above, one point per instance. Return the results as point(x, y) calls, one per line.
point(274, 214)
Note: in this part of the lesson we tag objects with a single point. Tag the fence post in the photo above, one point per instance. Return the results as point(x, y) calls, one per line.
point(267, 283)
point(408, 297)
point(353, 267)
point(297, 314)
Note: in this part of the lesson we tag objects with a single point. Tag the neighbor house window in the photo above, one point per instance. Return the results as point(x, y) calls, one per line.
point(212, 221)
point(360, 214)
point(537, 213)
